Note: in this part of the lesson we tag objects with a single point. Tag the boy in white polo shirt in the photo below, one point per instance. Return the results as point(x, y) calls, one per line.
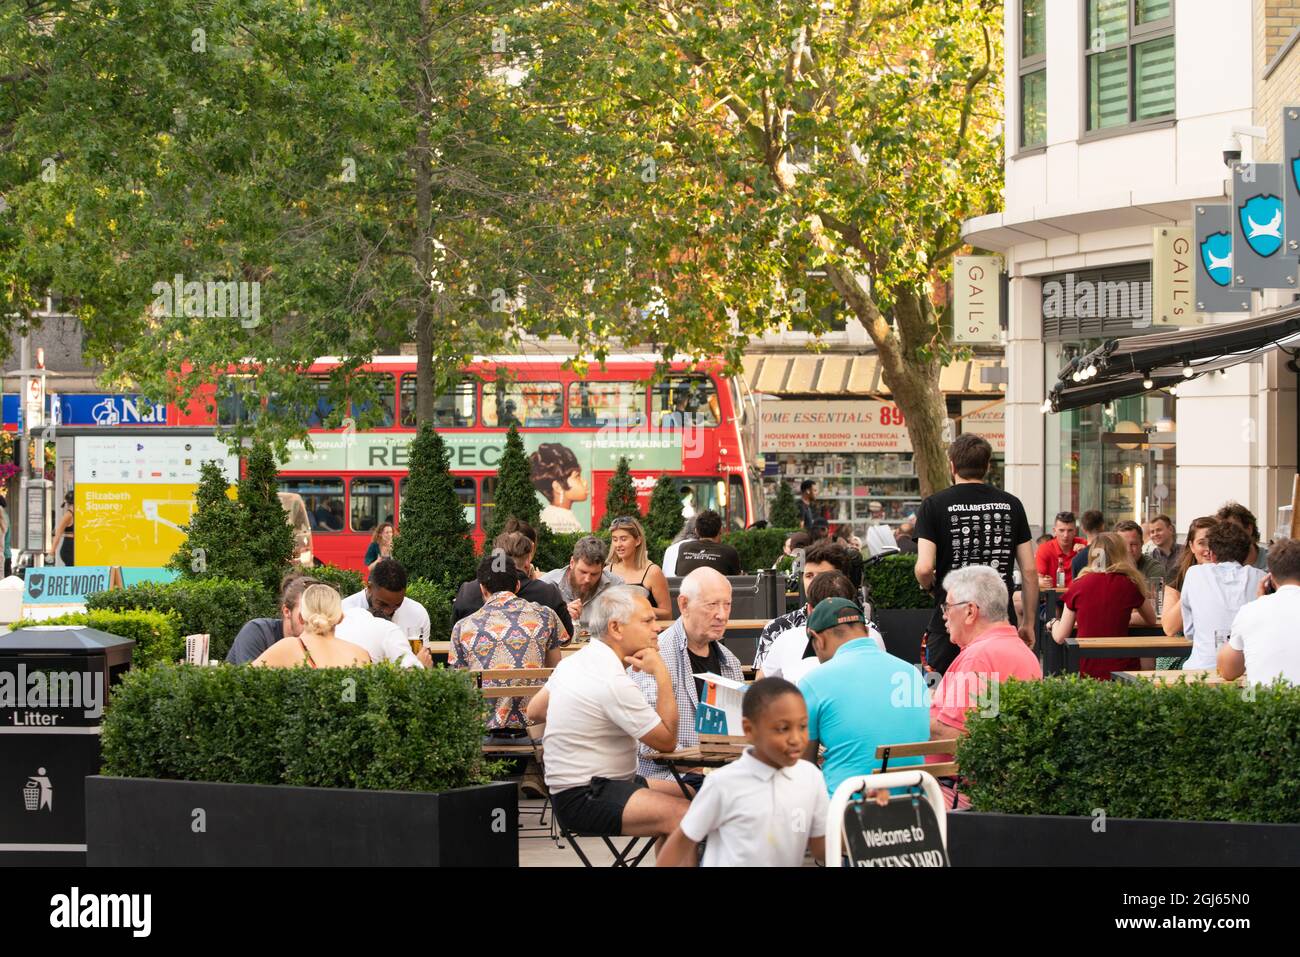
point(764, 808)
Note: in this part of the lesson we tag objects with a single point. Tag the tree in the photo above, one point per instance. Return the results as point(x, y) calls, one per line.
point(846, 140)
point(663, 518)
point(267, 536)
point(784, 512)
point(620, 497)
point(433, 539)
point(214, 539)
point(515, 495)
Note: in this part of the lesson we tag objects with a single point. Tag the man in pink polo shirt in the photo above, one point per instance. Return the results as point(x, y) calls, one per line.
point(991, 651)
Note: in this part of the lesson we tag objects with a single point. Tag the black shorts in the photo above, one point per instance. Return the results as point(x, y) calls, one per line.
point(596, 809)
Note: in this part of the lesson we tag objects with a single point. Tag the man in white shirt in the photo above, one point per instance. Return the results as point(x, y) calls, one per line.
point(791, 655)
point(382, 639)
point(385, 597)
point(595, 715)
point(1265, 645)
point(1213, 593)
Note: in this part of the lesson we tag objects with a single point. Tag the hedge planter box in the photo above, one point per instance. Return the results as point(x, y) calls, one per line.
point(1034, 840)
point(147, 822)
point(902, 629)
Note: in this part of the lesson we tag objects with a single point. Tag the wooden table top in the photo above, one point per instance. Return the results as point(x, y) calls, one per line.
point(1194, 675)
point(742, 624)
point(438, 647)
point(694, 757)
point(1176, 643)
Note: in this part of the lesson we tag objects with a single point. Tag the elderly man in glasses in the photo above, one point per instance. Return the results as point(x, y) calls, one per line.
point(689, 647)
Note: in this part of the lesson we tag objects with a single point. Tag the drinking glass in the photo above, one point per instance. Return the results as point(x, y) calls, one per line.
point(1221, 639)
point(1158, 594)
point(416, 641)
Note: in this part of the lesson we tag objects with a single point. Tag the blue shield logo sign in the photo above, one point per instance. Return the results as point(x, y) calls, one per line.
point(1261, 222)
point(1216, 256)
point(1295, 172)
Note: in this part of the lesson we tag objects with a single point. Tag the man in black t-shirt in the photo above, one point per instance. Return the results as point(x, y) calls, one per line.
point(708, 551)
point(972, 523)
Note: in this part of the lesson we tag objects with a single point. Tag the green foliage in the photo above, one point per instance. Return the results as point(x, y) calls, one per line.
point(436, 597)
point(664, 517)
point(759, 548)
point(556, 550)
point(218, 607)
point(620, 497)
point(433, 537)
point(158, 635)
point(214, 543)
point(783, 511)
point(267, 538)
point(378, 727)
point(893, 583)
point(515, 495)
point(1186, 751)
point(346, 581)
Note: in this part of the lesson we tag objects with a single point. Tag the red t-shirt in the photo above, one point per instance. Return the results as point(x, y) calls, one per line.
point(1050, 557)
point(1102, 603)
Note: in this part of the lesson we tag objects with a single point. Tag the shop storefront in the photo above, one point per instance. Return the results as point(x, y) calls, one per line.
point(1118, 457)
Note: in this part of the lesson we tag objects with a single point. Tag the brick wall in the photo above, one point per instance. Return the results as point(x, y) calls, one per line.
point(1275, 22)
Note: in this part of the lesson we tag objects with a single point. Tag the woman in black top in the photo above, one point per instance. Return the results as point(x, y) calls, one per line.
point(64, 533)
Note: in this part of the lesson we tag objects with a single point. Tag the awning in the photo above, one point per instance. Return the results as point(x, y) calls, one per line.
point(1122, 367)
point(844, 375)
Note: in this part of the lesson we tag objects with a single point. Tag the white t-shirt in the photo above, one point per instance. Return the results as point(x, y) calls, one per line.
point(382, 639)
point(594, 719)
point(1211, 597)
point(409, 614)
point(1265, 632)
point(669, 564)
point(785, 658)
point(755, 815)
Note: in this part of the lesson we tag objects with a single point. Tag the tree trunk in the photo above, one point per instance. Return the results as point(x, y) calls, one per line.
point(423, 237)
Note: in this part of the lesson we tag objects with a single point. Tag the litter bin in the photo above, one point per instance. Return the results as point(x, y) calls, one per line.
point(54, 683)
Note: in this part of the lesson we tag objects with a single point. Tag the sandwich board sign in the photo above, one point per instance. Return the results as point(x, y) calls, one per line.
point(719, 711)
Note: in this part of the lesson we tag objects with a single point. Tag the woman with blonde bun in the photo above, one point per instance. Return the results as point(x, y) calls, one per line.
point(321, 609)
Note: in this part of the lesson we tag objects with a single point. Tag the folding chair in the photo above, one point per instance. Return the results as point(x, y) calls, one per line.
point(622, 858)
point(946, 770)
point(533, 746)
point(852, 792)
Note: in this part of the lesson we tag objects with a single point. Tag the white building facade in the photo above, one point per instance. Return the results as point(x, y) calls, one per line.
point(1117, 113)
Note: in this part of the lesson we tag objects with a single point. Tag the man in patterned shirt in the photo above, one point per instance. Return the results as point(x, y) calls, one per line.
point(821, 556)
point(507, 632)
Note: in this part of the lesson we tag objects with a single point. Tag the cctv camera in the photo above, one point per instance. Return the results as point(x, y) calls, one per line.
point(1232, 151)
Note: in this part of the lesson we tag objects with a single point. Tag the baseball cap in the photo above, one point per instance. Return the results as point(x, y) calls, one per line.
point(835, 611)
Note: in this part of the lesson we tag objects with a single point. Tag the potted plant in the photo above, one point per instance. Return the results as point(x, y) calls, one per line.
point(239, 765)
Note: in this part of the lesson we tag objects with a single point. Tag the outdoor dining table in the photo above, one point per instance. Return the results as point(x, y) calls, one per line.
point(1129, 646)
point(1191, 675)
point(681, 761)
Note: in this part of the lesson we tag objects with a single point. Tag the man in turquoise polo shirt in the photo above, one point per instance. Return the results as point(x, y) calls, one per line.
point(860, 697)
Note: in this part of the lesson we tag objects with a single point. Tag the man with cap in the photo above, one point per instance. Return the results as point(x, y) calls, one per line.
point(861, 697)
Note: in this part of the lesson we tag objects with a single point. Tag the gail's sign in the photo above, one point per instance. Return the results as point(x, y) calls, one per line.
point(1173, 274)
point(977, 299)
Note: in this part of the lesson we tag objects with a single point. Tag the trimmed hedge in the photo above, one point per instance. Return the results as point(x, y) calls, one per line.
point(759, 548)
point(436, 597)
point(157, 634)
point(1189, 751)
point(345, 580)
point(218, 607)
point(376, 728)
point(893, 583)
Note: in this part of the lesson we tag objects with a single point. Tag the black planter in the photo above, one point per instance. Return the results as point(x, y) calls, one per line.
point(902, 629)
point(147, 822)
point(1039, 840)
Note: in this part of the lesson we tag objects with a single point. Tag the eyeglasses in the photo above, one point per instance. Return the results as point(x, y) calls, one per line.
point(624, 522)
point(950, 605)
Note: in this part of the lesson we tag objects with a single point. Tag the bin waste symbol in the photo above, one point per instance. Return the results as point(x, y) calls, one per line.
point(32, 795)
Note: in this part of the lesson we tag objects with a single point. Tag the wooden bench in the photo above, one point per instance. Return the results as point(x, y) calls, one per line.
point(1126, 646)
point(945, 769)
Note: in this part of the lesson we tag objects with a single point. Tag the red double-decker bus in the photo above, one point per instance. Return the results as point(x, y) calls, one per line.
point(687, 424)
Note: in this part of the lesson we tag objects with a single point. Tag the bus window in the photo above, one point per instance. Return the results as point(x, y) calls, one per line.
point(736, 517)
point(685, 401)
point(489, 495)
point(323, 498)
point(528, 405)
point(315, 413)
point(387, 412)
point(372, 503)
point(235, 402)
point(595, 404)
point(464, 491)
point(453, 409)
